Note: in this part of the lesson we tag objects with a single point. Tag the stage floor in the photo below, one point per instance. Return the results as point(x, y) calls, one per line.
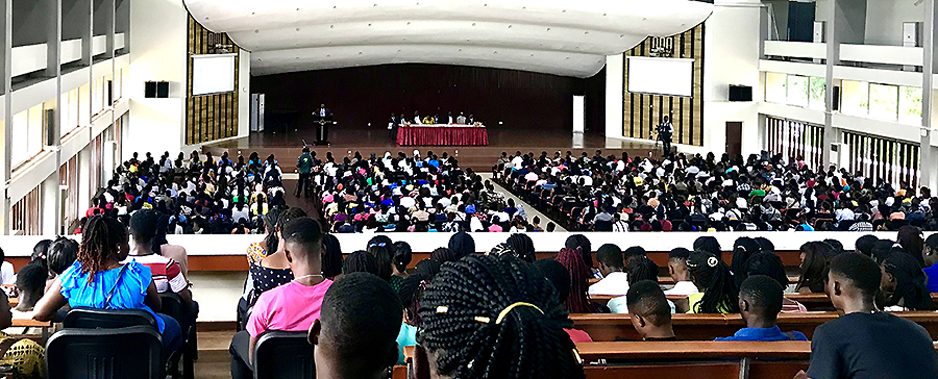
point(289, 144)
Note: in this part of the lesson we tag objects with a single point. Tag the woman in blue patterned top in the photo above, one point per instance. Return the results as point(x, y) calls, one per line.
point(97, 279)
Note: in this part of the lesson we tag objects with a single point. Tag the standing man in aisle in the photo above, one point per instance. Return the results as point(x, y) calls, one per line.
point(665, 131)
point(305, 165)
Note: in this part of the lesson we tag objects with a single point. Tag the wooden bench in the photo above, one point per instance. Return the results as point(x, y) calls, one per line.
point(702, 327)
point(814, 302)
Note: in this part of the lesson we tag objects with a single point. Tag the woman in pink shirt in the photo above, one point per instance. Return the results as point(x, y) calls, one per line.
point(292, 306)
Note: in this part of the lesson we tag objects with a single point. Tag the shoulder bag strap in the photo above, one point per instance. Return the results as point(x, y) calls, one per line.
point(113, 288)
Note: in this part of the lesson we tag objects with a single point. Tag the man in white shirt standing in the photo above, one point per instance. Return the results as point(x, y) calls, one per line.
point(615, 282)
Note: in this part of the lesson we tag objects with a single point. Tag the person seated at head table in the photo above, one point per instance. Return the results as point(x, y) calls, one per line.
point(463, 330)
point(677, 268)
point(62, 254)
point(614, 281)
point(278, 308)
point(712, 276)
point(760, 301)
point(98, 280)
point(770, 265)
point(559, 277)
point(903, 284)
point(355, 337)
point(865, 342)
point(30, 284)
point(649, 311)
point(461, 119)
point(24, 356)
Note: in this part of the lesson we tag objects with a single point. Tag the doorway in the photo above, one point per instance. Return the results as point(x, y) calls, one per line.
point(734, 138)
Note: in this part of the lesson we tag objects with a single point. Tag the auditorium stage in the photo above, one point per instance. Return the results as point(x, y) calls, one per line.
point(286, 145)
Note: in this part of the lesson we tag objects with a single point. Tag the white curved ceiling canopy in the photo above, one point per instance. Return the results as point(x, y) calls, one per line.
point(561, 37)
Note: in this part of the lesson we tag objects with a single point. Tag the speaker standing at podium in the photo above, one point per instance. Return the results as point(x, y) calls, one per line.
point(323, 118)
point(665, 131)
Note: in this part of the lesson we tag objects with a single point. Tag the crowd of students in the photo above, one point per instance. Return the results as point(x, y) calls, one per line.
point(198, 194)
point(506, 312)
point(408, 193)
point(694, 193)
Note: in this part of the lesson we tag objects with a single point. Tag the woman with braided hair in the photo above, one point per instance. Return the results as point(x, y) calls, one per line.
point(715, 279)
point(522, 245)
point(903, 284)
point(97, 279)
point(487, 317)
point(580, 274)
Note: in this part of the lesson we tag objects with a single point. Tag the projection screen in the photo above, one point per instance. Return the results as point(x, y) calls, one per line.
point(661, 76)
point(213, 73)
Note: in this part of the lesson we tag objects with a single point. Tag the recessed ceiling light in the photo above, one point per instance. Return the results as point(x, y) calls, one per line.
point(297, 29)
point(257, 31)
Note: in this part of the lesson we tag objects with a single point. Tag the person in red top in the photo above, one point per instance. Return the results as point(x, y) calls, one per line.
point(293, 306)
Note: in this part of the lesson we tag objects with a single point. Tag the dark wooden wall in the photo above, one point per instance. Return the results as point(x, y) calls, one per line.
point(643, 112)
point(209, 117)
point(361, 95)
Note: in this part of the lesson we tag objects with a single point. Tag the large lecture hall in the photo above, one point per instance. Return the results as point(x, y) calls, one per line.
point(462, 189)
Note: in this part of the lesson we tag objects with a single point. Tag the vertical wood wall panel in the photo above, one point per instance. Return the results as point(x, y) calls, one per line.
point(210, 117)
point(641, 113)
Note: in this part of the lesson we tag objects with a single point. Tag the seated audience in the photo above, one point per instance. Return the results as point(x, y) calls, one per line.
point(930, 258)
point(31, 285)
point(521, 313)
point(649, 311)
point(815, 257)
point(559, 277)
point(614, 281)
point(743, 248)
point(331, 257)
point(904, 284)
point(578, 298)
point(62, 254)
point(760, 301)
point(522, 244)
point(355, 336)
point(770, 265)
point(360, 261)
point(715, 279)
point(97, 279)
point(274, 269)
point(7, 274)
point(677, 268)
point(863, 343)
point(280, 308)
point(24, 356)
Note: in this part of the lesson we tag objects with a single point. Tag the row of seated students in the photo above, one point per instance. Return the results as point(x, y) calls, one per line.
point(504, 314)
point(113, 267)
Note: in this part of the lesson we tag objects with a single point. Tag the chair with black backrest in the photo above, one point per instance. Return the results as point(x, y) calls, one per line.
point(172, 306)
point(134, 352)
point(94, 318)
point(283, 355)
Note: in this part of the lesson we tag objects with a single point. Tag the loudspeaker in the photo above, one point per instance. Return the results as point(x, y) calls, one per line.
point(110, 92)
point(162, 90)
point(149, 90)
point(836, 94)
point(50, 127)
point(740, 93)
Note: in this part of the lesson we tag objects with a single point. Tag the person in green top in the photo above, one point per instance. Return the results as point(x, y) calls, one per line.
point(715, 279)
point(305, 165)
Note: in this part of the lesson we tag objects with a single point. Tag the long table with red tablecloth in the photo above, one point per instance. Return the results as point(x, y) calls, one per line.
point(442, 135)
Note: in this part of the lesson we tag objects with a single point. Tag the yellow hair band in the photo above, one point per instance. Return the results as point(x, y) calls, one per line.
point(504, 312)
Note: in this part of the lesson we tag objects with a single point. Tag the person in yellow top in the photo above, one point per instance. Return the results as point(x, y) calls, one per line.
point(714, 279)
point(25, 357)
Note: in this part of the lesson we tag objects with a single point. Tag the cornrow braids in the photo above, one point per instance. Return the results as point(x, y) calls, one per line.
point(715, 279)
point(642, 268)
point(101, 241)
point(910, 283)
point(523, 245)
point(577, 300)
point(488, 317)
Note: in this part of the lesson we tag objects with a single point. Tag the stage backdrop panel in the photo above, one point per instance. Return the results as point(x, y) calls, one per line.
point(210, 117)
point(642, 112)
point(362, 95)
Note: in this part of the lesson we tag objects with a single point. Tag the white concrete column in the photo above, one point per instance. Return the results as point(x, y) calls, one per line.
point(928, 166)
point(6, 22)
point(84, 179)
point(51, 200)
point(615, 90)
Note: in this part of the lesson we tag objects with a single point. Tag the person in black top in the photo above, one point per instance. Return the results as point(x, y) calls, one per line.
point(865, 342)
point(649, 311)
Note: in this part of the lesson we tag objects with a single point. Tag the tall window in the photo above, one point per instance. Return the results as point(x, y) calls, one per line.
point(884, 101)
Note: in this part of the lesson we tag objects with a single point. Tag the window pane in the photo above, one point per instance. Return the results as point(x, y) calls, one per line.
point(775, 88)
point(84, 111)
point(73, 105)
point(883, 99)
point(854, 97)
point(34, 131)
point(817, 93)
point(910, 105)
point(18, 147)
point(798, 90)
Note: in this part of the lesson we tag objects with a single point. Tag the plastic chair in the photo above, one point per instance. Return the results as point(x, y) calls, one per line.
point(134, 352)
point(283, 355)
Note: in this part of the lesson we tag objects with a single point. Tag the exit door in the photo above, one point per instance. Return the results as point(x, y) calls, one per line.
point(734, 138)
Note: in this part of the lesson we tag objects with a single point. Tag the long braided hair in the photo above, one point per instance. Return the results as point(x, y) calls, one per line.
point(910, 283)
point(101, 240)
point(577, 300)
point(715, 279)
point(488, 317)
